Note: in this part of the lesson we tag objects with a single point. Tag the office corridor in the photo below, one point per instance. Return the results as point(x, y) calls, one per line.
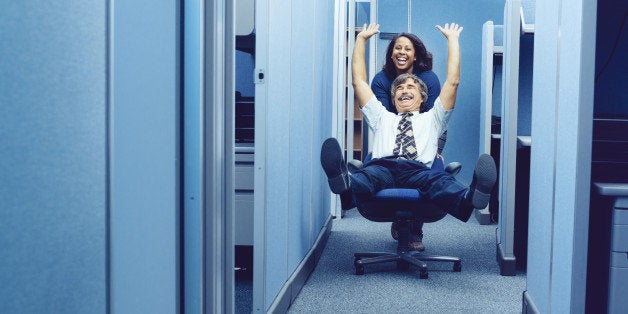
point(479, 288)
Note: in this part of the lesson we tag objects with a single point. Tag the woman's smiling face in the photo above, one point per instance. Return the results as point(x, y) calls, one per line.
point(403, 55)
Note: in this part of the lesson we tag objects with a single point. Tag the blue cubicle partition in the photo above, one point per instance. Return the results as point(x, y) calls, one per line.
point(53, 157)
point(492, 49)
point(560, 162)
point(293, 116)
point(515, 123)
point(89, 157)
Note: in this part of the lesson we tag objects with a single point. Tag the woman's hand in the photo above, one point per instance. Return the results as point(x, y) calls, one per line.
point(368, 31)
point(450, 30)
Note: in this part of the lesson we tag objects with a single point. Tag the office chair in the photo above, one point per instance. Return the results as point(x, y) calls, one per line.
point(402, 206)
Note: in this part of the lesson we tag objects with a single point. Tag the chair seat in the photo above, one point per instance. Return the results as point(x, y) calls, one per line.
point(386, 205)
point(403, 195)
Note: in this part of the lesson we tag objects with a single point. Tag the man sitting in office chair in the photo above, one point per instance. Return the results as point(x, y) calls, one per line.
point(404, 144)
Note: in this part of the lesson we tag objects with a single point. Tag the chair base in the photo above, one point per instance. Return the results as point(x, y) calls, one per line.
point(404, 259)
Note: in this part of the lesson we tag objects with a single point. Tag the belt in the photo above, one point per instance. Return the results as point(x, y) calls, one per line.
point(395, 157)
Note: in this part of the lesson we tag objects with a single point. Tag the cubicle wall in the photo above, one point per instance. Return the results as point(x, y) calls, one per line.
point(562, 110)
point(514, 138)
point(89, 157)
point(53, 157)
point(293, 116)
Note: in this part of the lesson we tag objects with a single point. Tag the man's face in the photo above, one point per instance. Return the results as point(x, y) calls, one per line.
point(408, 96)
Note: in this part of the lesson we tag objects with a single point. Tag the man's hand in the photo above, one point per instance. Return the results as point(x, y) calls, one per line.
point(450, 30)
point(368, 31)
point(450, 88)
point(361, 87)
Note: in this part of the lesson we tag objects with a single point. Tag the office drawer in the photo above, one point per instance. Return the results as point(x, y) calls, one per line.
point(243, 176)
point(618, 290)
point(620, 215)
point(244, 218)
point(619, 235)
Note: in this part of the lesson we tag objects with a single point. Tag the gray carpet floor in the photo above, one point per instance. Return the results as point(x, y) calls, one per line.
point(243, 295)
point(333, 286)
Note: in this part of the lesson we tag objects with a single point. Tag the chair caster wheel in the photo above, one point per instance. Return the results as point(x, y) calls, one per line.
point(359, 270)
point(401, 265)
point(423, 274)
point(457, 267)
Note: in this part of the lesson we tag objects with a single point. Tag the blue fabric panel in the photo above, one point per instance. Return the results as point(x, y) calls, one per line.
point(541, 164)
point(279, 84)
point(299, 105)
point(301, 108)
point(322, 107)
point(560, 159)
point(53, 104)
point(573, 153)
point(392, 16)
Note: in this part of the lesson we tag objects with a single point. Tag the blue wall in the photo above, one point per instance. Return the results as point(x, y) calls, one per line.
point(53, 165)
point(392, 16)
point(464, 126)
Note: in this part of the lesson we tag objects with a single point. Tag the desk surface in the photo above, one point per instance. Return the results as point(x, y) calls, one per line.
point(612, 189)
point(524, 141)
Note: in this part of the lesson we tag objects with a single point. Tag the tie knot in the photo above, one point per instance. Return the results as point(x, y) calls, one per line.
point(406, 115)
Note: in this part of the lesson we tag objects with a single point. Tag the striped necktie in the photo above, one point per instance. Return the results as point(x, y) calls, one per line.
point(404, 142)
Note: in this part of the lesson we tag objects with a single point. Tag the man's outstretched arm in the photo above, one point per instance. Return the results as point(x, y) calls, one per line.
point(363, 92)
point(450, 87)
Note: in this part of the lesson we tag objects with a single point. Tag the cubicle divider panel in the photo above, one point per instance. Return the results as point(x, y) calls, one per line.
point(490, 51)
point(54, 206)
point(561, 157)
point(508, 150)
point(293, 112)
